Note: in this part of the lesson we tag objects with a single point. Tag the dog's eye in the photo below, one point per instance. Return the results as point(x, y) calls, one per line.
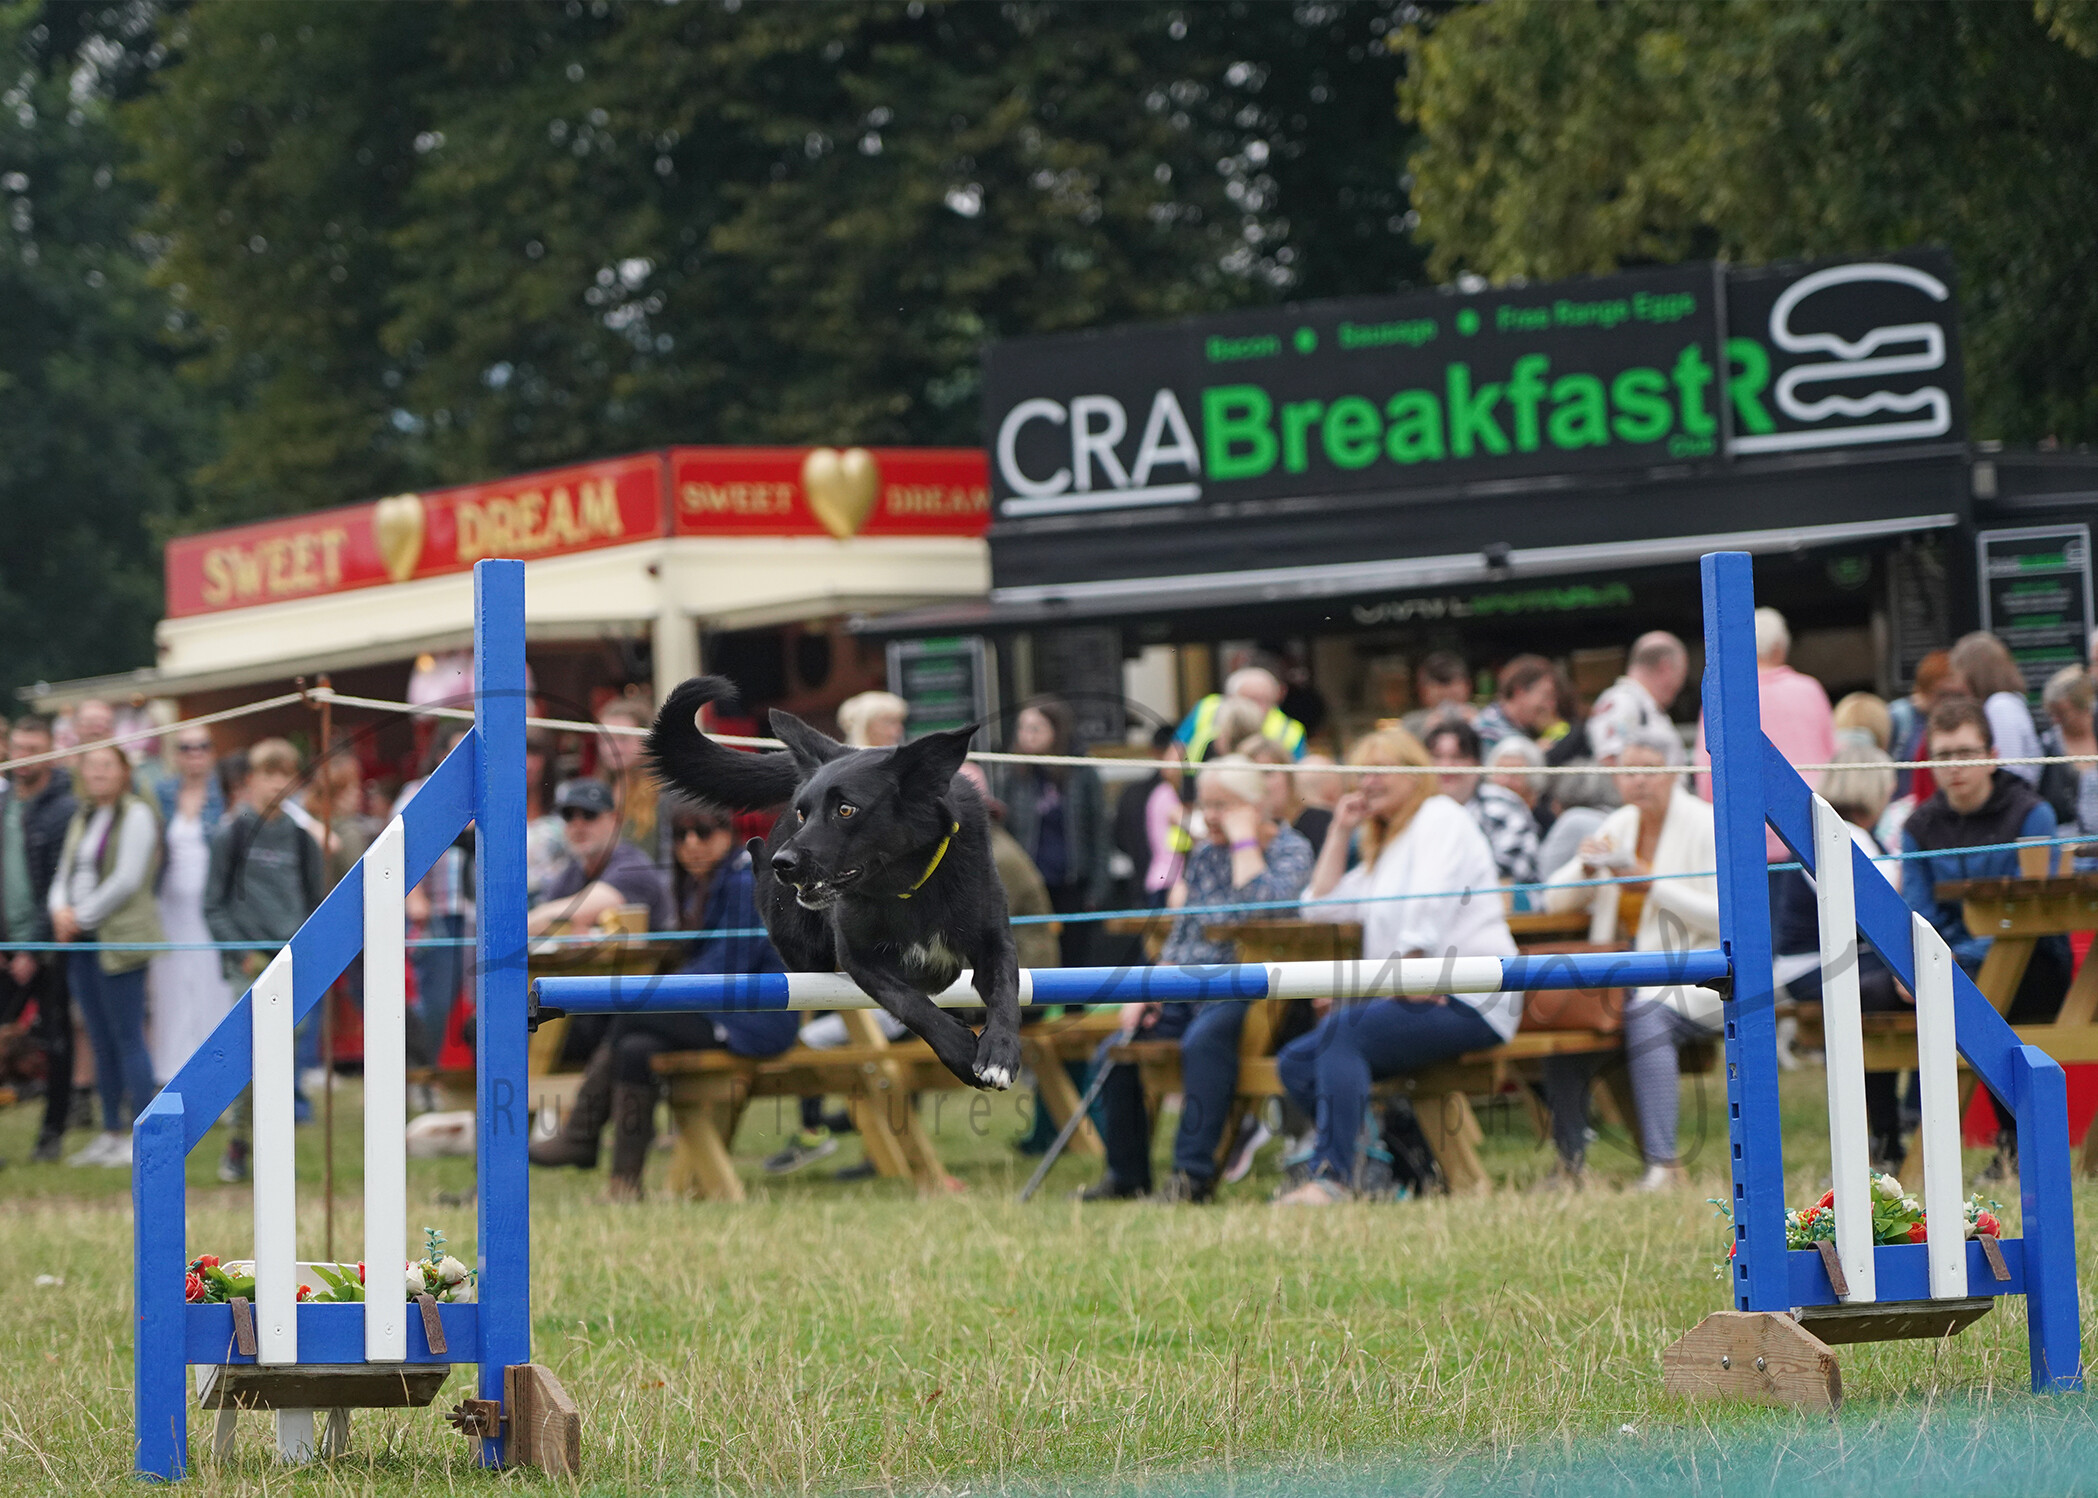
point(800, 816)
point(846, 809)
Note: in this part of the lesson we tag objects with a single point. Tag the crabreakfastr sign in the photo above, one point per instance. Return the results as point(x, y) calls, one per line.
point(1685, 364)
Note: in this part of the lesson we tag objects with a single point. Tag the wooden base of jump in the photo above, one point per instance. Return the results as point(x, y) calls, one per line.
point(312, 1404)
point(1770, 1357)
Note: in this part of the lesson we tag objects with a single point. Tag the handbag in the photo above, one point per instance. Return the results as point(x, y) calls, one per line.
point(1598, 1009)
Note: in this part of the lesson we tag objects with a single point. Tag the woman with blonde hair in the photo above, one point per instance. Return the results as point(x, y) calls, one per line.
point(1863, 718)
point(873, 720)
point(1428, 887)
point(1247, 857)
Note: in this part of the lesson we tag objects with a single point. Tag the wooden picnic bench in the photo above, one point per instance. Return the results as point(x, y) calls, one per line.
point(880, 1080)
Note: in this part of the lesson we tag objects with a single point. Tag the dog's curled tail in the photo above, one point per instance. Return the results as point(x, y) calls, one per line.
point(686, 760)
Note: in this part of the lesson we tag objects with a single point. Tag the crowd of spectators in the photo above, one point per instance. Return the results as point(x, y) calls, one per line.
point(156, 857)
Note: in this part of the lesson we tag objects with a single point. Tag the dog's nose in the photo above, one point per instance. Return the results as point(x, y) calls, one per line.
point(785, 865)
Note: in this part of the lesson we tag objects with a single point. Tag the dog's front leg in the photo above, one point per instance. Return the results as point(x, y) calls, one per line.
point(997, 980)
point(951, 1040)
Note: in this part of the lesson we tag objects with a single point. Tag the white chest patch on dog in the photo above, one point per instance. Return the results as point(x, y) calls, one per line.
point(934, 953)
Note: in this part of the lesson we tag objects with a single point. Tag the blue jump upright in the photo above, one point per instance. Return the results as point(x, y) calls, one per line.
point(1754, 786)
point(481, 783)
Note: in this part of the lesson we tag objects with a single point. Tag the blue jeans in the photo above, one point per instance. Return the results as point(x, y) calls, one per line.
point(1208, 1083)
point(438, 973)
point(1125, 1125)
point(1329, 1071)
point(113, 1012)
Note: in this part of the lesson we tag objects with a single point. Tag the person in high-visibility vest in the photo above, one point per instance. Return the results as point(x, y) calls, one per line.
point(1198, 730)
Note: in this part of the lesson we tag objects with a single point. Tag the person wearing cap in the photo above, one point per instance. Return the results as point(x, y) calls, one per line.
point(603, 871)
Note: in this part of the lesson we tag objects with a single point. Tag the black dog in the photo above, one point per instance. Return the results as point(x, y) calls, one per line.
point(880, 868)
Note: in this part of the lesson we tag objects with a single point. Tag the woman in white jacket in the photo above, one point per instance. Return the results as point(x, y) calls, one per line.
point(1661, 830)
point(1415, 842)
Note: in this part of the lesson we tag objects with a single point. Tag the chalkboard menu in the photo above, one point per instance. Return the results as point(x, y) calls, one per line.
point(2036, 596)
point(1919, 606)
point(946, 682)
point(1084, 667)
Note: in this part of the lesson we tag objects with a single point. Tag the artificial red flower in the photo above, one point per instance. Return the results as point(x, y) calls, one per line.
point(360, 1271)
point(1987, 1223)
point(192, 1287)
point(207, 1261)
point(1732, 1249)
point(1810, 1214)
point(1828, 1198)
point(305, 1292)
point(1917, 1234)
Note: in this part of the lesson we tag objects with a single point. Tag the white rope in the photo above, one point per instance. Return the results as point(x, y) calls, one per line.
point(573, 725)
point(50, 756)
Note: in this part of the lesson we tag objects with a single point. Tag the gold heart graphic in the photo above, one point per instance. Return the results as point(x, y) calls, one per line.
point(841, 488)
point(397, 527)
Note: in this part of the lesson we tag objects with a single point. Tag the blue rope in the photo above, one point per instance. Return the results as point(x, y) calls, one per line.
point(1249, 907)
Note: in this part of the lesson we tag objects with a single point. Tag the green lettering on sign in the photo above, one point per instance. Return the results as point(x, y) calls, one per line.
point(1351, 432)
point(1415, 434)
point(1748, 371)
point(1641, 397)
point(1471, 415)
point(1237, 440)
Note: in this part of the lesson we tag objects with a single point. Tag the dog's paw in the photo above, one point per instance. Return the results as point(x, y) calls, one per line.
point(997, 1060)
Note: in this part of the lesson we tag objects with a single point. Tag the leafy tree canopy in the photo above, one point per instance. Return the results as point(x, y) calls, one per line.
point(1562, 138)
point(432, 243)
point(97, 433)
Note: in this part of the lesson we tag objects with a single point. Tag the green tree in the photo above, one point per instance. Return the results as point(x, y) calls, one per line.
point(1562, 138)
point(439, 242)
point(97, 433)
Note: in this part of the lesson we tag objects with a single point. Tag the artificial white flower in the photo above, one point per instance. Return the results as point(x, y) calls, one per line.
point(451, 1271)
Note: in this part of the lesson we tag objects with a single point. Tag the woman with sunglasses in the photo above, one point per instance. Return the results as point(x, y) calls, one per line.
point(188, 991)
point(711, 888)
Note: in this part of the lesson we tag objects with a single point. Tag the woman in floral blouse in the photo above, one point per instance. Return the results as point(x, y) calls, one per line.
point(1244, 857)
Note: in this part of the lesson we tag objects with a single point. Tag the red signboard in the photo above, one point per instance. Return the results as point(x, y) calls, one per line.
point(416, 535)
point(713, 491)
point(799, 491)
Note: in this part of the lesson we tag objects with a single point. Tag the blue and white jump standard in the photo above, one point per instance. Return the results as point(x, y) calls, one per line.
point(482, 783)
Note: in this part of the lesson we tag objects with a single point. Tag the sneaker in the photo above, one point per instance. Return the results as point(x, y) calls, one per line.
point(1319, 1191)
point(1662, 1178)
point(1562, 1179)
point(804, 1149)
point(119, 1152)
point(1182, 1189)
point(863, 1171)
point(233, 1165)
point(1253, 1133)
point(96, 1151)
point(49, 1149)
point(1108, 1189)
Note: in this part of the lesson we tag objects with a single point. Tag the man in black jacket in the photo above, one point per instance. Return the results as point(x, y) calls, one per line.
point(36, 803)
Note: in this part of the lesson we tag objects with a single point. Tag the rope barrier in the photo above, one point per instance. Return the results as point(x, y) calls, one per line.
point(52, 756)
point(1083, 917)
point(1089, 761)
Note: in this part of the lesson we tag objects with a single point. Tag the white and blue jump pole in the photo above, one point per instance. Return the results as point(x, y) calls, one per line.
point(482, 783)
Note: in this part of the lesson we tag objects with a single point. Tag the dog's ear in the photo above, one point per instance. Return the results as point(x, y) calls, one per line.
point(809, 748)
point(925, 766)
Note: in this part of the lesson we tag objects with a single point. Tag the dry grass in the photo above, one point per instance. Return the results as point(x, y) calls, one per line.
point(834, 1338)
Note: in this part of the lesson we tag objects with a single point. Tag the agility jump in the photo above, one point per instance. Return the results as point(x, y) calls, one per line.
point(300, 1358)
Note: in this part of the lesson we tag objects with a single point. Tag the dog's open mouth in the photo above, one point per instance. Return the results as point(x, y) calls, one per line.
point(821, 894)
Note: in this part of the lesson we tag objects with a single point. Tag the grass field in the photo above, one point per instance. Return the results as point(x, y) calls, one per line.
point(844, 1338)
